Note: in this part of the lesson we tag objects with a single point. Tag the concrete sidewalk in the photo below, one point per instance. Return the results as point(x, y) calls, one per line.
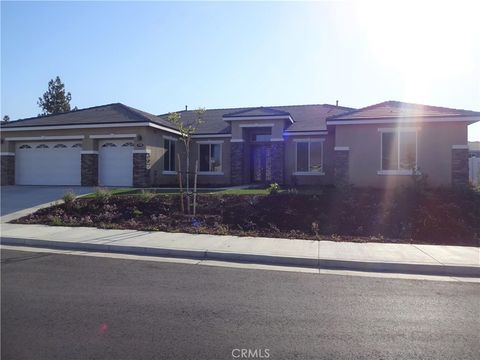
point(391, 258)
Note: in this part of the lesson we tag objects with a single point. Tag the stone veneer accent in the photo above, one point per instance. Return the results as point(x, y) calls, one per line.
point(89, 169)
point(278, 159)
point(237, 162)
point(459, 167)
point(8, 169)
point(141, 169)
point(341, 166)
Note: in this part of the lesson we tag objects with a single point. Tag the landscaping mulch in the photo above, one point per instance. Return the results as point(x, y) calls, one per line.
point(406, 215)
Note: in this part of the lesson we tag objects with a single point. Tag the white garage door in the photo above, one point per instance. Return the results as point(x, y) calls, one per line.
point(115, 163)
point(48, 163)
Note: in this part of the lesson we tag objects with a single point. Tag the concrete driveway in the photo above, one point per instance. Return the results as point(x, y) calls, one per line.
point(17, 198)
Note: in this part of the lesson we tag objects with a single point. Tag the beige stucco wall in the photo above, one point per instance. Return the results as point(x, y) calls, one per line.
point(434, 144)
point(146, 138)
point(238, 127)
point(290, 162)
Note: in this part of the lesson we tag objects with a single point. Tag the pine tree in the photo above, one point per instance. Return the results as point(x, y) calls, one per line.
point(55, 100)
point(6, 118)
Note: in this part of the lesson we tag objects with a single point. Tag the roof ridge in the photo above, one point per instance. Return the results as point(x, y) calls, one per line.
point(256, 107)
point(66, 112)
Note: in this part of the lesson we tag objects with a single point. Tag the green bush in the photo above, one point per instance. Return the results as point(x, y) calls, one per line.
point(273, 189)
point(69, 197)
point(137, 213)
point(102, 194)
point(146, 196)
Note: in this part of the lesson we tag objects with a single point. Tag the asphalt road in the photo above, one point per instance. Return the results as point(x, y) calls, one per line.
point(75, 307)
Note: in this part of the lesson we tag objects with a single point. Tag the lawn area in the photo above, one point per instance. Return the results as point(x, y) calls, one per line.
point(169, 191)
point(408, 215)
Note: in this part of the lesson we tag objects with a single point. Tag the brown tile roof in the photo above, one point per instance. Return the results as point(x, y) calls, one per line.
point(397, 109)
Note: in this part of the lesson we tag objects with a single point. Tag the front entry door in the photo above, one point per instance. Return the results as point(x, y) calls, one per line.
point(261, 163)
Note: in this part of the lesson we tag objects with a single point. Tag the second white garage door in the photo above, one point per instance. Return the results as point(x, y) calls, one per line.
point(115, 163)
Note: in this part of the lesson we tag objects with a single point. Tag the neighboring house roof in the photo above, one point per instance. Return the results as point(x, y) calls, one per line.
point(397, 109)
point(306, 117)
point(106, 114)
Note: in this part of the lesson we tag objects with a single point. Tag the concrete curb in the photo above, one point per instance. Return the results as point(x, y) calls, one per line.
point(334, 264)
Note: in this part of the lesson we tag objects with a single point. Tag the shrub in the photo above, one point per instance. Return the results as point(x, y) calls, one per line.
point(273, 189)
point(102, 194)
point(56, 221)
point(69, 197)
point(146, 196)
point(137, 213)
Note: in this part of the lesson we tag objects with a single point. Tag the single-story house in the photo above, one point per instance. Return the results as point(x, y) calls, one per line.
point(116, 145)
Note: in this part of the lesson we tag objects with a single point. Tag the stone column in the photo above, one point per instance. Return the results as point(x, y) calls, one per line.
point(89, 168)
point(278, 161)
point(237, 162)
point(8, 169)
point(459, 165)
point(341, 173)
point(141, 168)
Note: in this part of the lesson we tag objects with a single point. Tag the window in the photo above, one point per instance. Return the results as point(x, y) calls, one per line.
point(262, 137)
point(127, 144)
point(25, 146)
point(210, 156)
point(169, 155)
point(78, 145)
point(109, 145)
point(399, 150)
point(310, 157)
point(42, 146)
point(60, 146)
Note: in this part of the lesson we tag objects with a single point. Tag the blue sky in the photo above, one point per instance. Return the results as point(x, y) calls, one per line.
point(159, 56)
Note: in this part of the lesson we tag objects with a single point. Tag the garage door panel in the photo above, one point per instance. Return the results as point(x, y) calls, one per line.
point(115, 163)
point(48, 164)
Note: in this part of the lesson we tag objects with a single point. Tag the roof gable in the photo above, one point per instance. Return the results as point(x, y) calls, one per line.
point(397, 109)
point(257, 112)
point(115, 113)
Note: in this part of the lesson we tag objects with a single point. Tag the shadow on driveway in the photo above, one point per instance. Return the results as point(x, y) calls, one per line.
point(16, 198)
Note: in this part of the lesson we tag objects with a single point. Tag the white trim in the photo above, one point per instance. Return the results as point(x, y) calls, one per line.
point(403, 172)
point(309, 140)
point(166, 172)
point(113, 136)
point(216, 173)
point(255, 125)
point(206, 136)
point(459, 146)
point(36, 138)
point(277, 139)
point(210, 142)
point(237, 140)
point(160, 127)
point(143, 151)
point(402, 120)
point(395, 129)
point(341, 148)
point(293, 133)
point(171, 138)
point(88, 152)
point(308, 173)
point(265, 117)
point(7, 154)
point(92, 126)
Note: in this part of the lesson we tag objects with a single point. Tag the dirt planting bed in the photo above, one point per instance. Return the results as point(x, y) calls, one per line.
point(435, 216)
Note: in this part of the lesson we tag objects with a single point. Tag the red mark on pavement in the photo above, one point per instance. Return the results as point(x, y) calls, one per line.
point(102, 329)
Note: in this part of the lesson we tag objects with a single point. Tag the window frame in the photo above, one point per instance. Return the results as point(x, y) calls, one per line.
point(309, 172)
point(210, 143)
point(171, 141)
point(398, 132)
